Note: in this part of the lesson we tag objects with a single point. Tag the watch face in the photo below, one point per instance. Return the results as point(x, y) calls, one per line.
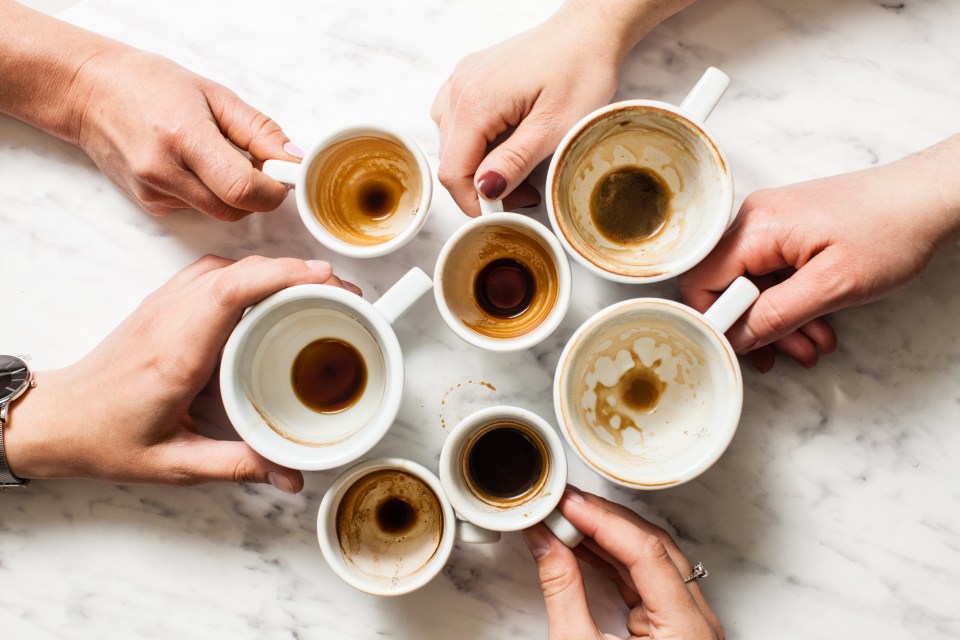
point(13, 377)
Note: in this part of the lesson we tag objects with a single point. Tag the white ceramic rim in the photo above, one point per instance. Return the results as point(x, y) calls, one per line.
point(683, 265)
point(267, 442)
point(327, 525)
point(519, 517)
point(336, 244)
point(564, 284)
point(727, 431)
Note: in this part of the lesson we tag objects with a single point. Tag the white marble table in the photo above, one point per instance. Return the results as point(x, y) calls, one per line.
point(833, 514)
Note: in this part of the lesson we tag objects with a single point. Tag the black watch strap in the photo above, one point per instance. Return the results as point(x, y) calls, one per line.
point(7, 479)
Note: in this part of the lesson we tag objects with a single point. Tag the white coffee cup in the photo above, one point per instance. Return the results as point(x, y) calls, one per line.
point(256, 372)
point(375, 238)
point(374, 561)
point(671, 142)
point(536, 504)
point(648, 392)
point(472, 246)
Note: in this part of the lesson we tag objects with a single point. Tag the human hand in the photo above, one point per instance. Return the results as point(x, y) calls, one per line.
point(820, 246)
point(121, 414)
point(640, 558)
point(541, 82)
point(171, 139)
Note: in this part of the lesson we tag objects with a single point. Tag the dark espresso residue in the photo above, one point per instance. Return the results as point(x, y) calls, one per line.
point(505, 288)
point(641, 389)
point(505, 463)
point(329, 375)
point(395, 516)
point(379, 198)
point(630, 204)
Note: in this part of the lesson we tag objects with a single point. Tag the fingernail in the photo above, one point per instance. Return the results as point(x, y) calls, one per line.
point(741, 338)
point(536, 542)
point(573, 495)
point(319, 265)
point(280, 482)
point(349, 286)
point(293, 150)
point(491, 185)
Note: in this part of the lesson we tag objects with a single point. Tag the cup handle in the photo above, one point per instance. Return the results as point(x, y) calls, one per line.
point(732, 304)
point(469, 532)
point(563, 529)
point(706, 94)
point(488, 206)
point(283, 171)
point(401, 296)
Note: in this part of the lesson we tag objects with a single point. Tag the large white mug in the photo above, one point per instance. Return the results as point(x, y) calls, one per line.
point(648, 392)
point(257, 372)
point(665, 180)
point(363, 191)
point(385, 527)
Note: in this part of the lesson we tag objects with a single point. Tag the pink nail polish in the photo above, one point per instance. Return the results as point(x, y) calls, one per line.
point(293, 150)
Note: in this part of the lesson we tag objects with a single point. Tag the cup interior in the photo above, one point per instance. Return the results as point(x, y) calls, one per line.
point(502, 513)
point(530, 301)
point(648, 393)
point(367, 187)
point(258, 385)
point(385, 527)
point(652, 137)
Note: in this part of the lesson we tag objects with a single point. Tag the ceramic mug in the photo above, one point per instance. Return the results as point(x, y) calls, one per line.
point(663, 156)
point(256, 372)
point(363, 191)
point(538, 281)
point(648, 392)
point(385, 527)
point(482, 485)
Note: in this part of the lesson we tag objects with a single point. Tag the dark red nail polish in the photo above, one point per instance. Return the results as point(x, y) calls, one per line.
point(491, 185)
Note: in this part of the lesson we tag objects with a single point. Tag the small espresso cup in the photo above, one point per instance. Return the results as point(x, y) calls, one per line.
point(386, 528)
point(639, 191)
point(504, 469)
point(312, 376)
point(363, 191)
point(648, 392)
point(502, 281)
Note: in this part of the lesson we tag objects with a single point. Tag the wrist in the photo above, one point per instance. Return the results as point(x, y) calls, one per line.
point(936, 173)
point(27, 443)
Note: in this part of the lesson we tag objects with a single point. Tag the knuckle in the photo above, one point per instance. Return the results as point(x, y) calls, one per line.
point(225, 290)
point(516, 158)
point(447, 177)
point(244, 471)
point(239, 192)
point(652, 547)
point(556, 579)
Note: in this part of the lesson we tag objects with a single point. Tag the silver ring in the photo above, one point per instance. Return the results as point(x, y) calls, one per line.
point(699, 571)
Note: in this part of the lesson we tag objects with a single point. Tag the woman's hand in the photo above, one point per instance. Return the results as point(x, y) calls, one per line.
point(540, 82)
point(121, 414)
point(643, 561)
point(820, 246)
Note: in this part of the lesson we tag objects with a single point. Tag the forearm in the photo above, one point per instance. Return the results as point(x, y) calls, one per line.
point(624, 22)
point(41, 59)
point(939, 168)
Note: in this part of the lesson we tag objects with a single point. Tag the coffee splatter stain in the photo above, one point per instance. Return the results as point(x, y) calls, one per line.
point(465, 393)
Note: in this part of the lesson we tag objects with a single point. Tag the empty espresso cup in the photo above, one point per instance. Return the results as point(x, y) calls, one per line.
point(639, 191)
point(362, 192)
point(502, 281)
point(504, 469)
point(312, 376)
point(648, 392)
point(386, 528)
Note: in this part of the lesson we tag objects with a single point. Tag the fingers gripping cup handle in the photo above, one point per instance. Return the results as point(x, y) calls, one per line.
point(732, 304)
point(706, 94)
point(401, 296)
point(563, 529)
point(469, 532)
point(283, 171)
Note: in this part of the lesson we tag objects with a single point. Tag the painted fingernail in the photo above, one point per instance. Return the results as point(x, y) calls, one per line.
point(491, 185)
point(293, 150)
point(741, 338)
point(573, 495)
point(319, 265)
point(349, 286)
point(280, 481)
point(536, 542)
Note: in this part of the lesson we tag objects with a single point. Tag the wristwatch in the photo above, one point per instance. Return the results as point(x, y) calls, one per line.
point(15, 379)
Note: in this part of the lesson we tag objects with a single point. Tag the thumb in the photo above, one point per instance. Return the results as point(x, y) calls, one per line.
point(509, 164)
point(819, 287)
point(568, 614)
point(201, 459)
point(248, 128)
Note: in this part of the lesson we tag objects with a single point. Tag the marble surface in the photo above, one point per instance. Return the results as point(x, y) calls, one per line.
point(834, 512)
